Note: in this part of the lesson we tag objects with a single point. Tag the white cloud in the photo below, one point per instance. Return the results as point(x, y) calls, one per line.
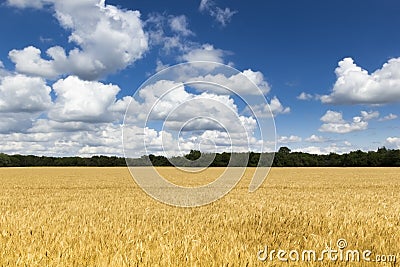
point(166, 94)
point(157, 27)
point(22, 100)
point(50, 126)
point(3, 71)
point(15, 122)
point(393, 141)
point(85, 115)
point(206, 52)
point(277, 108)
point(347, 143)
point(154, 25)
point(389, 117)
point(235, 84)
point(83, 121)
point(169, 102)
point(179, 24)
point(160, 65)
point(304, 96)
point(104, 139)
point(189, 119)
point(332, 117)
point(209, 112)
point(316, 139)
point(274, 107)
point(310, 150)
point(85, 101)
point(120, 105)
point(369, 115)
point(355, 85)
point(26, 3)
point(217, 141)
point(289, 139)
point(334, 123)
point(258, 79)
point(222, 16)
point(29, 61)
point(19, 93)
point(324, 150)
point(204, 5)
point(173, 35)
point(107, 39)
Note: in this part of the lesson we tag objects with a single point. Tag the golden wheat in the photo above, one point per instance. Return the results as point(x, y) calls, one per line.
point(100, 217)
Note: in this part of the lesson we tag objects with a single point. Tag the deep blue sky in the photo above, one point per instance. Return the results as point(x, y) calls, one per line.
point(296, 45)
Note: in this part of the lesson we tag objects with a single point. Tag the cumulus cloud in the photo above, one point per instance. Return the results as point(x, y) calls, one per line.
point(85, 115)
point(170, 32)
point(347, 143)
point(51, 126)
point(107, 39)
point(324, 150)
point(22, 100)
point(160, 65)
point(206, 52)
point(355, 85)
point(289, 139)
point(393, 141)
point(3, 71)
point(204, 5)
point(235, 84)
point(333, 122)
point(84, 119)
point(105, 140)
point(369, 115)
point(168, 101)
point(389, 117)
point(218, 141)
point(207, 118)
point(180, 25)
point(274, 107)
point(27, 3)
point(304, 96)
point(15, 122)
point(210, 112)
point(85, 101)
point(222, 16)
point(258, 79)
point(277, 108)
point(29, 61)
point(20, 93)
point(332, 116)
point(316, 139)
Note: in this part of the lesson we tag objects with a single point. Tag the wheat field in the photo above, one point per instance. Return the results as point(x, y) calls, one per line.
point(100, 217)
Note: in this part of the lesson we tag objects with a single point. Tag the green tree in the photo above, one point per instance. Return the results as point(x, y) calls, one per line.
point(193, 155)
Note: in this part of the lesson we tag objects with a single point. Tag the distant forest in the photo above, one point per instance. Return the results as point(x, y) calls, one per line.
point(383, 157)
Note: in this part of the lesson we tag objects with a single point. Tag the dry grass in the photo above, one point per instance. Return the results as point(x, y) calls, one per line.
point(99, 217)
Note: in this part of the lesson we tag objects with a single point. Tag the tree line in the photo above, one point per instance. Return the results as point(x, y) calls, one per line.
point(383, 157)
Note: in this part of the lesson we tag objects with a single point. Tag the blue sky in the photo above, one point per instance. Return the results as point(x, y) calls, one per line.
point(330, 69)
